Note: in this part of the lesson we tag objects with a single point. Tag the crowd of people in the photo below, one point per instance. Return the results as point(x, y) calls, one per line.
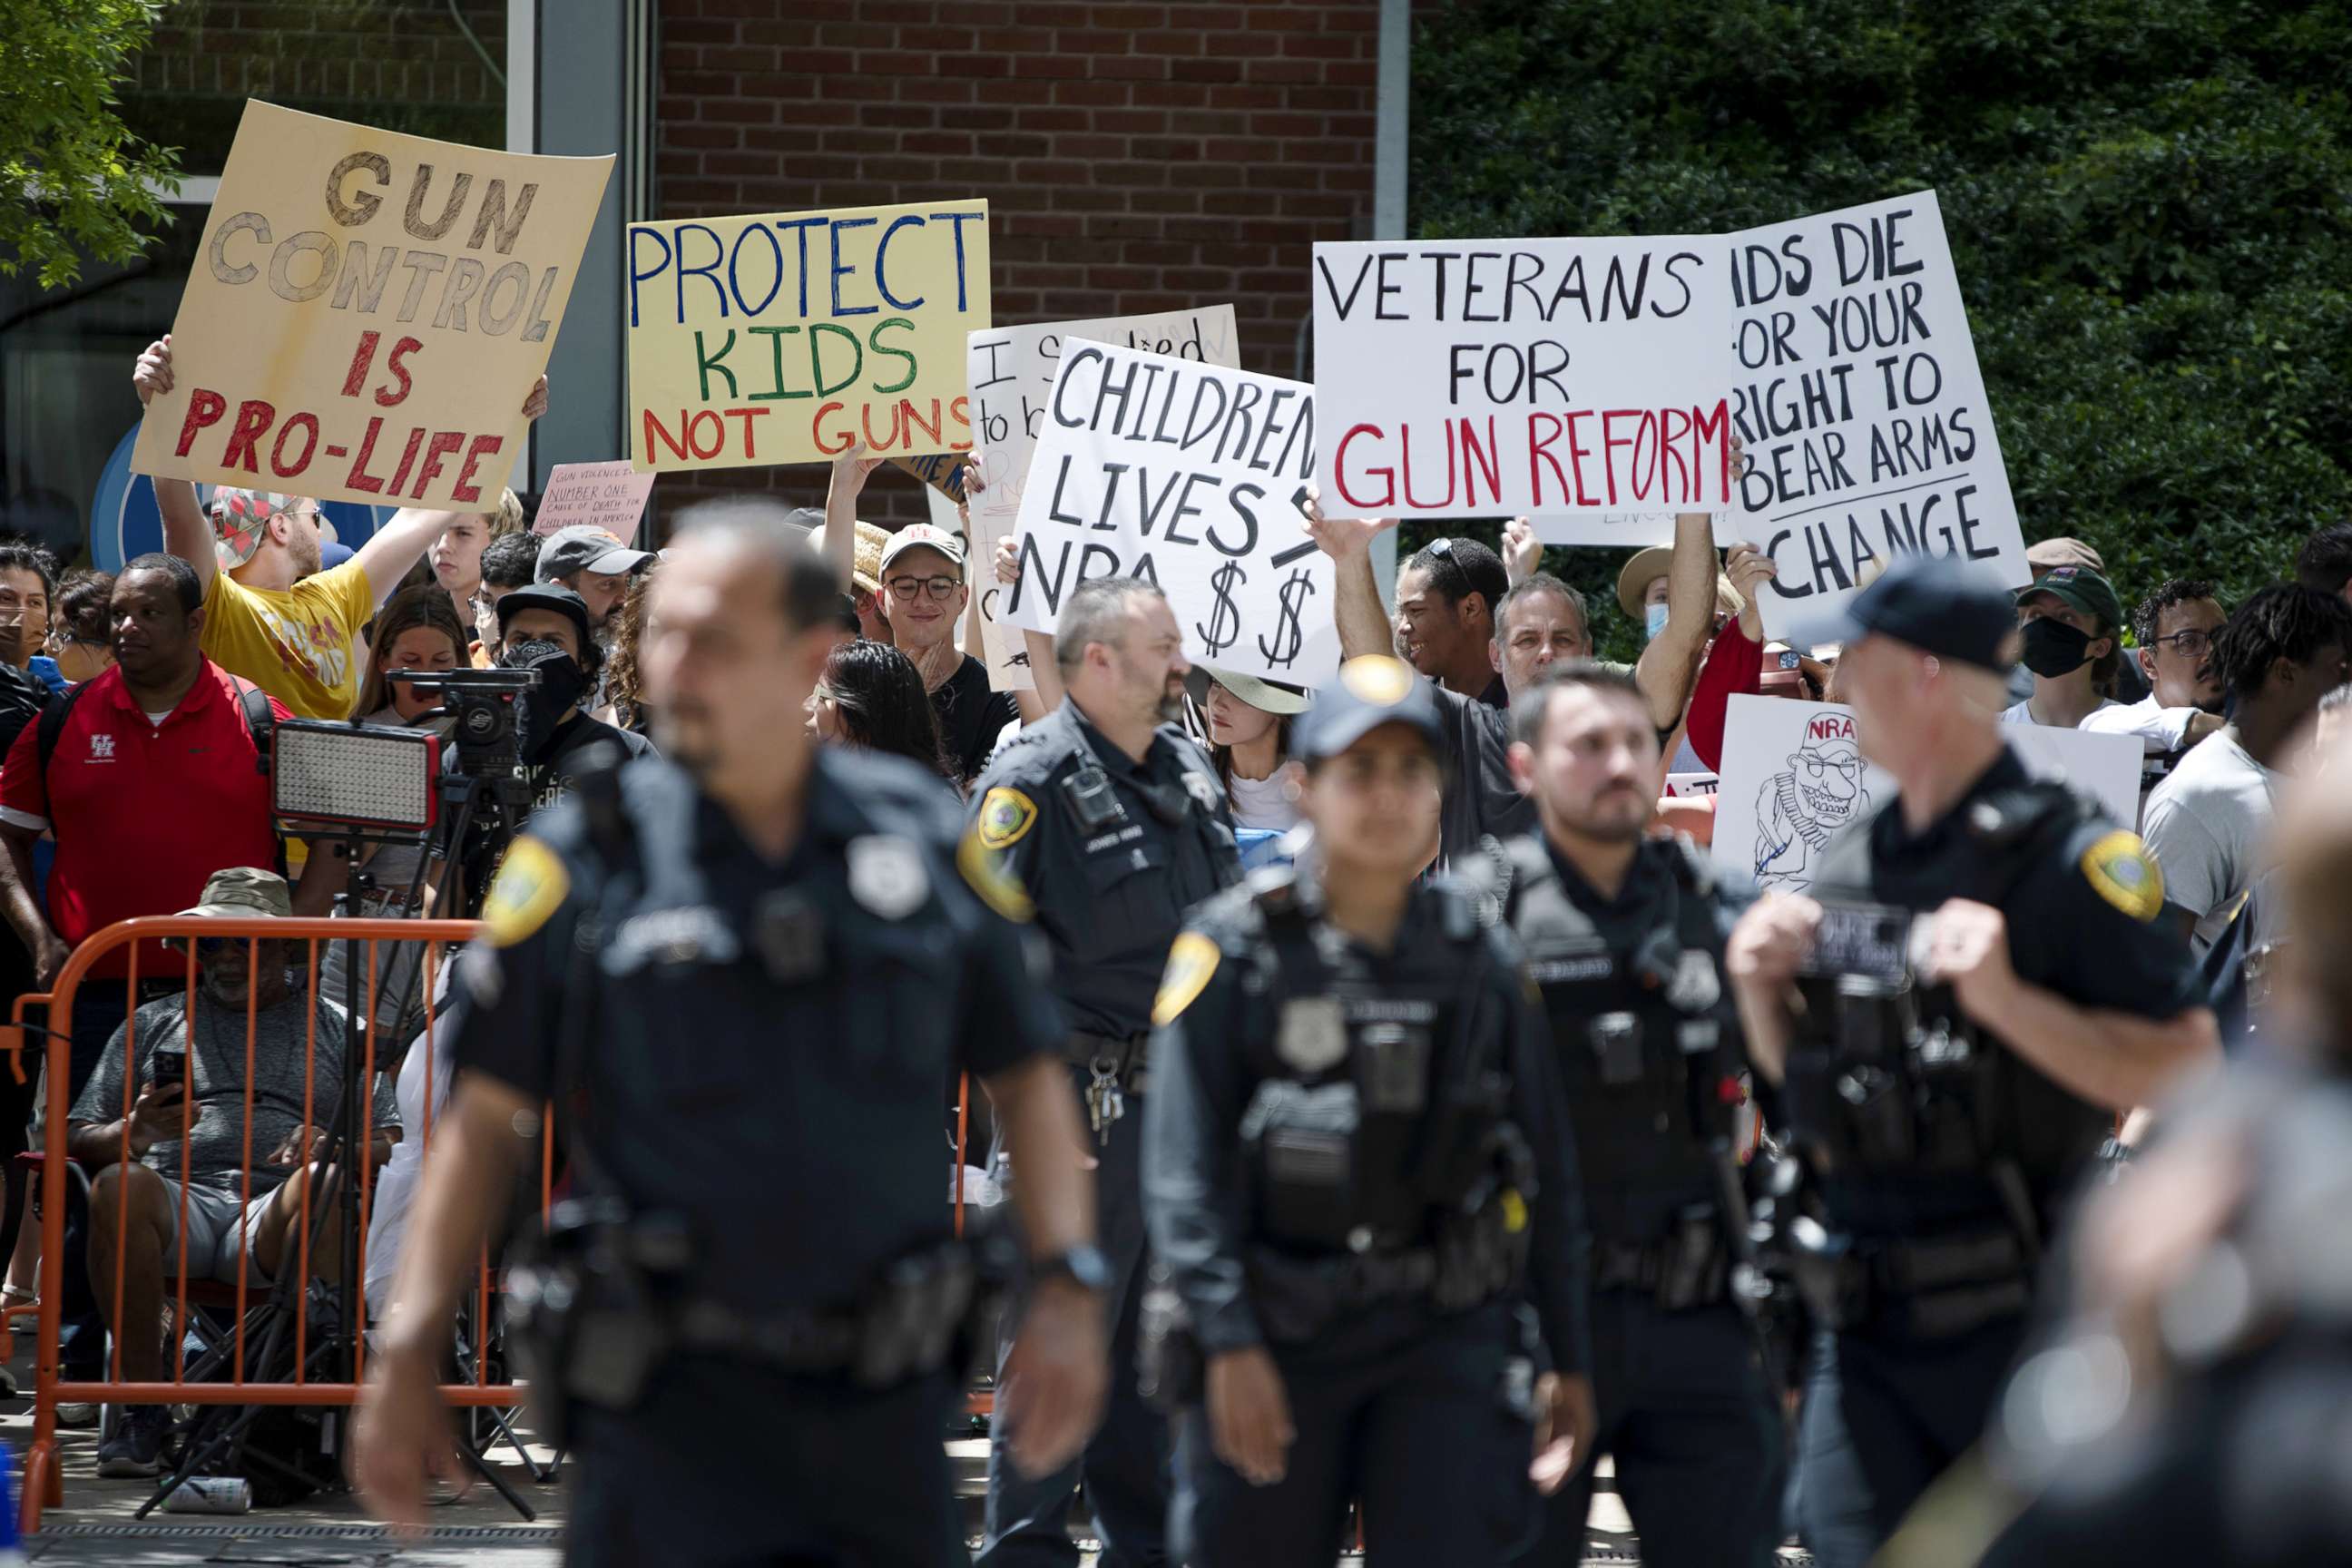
point(137, 709)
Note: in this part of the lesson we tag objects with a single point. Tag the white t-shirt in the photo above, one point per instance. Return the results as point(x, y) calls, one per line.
point(2161, 730)
point(1263, 803)
point(395, 1185)
point(2023, 713)
point(2206, 826)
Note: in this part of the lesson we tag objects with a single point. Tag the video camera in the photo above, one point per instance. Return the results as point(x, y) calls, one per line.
point(481, 707)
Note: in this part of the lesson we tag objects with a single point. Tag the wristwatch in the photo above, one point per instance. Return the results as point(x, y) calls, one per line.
point(1083, 1267)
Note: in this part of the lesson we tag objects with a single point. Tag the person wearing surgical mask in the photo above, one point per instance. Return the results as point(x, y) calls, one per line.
point(2072, 624)
point(546, 628)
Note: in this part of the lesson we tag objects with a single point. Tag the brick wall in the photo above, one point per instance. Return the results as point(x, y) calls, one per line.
point(1134, 156)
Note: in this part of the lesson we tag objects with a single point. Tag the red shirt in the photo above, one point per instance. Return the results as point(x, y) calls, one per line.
point(143, 812)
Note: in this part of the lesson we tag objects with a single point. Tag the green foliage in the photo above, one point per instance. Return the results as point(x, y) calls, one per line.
point(73, 181)
point(2149, 203)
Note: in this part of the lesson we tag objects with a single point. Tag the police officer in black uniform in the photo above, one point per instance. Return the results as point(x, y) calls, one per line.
point(1115, 823)
point(744, 974)
point(1624, 934)
point(1357, 1179)
point(1947, 1079)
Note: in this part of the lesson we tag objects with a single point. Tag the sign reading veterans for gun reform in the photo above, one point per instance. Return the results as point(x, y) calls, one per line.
point(791, 337)
point(1463, 379)
point(367, 313)
point(1860, 404)
point(1190, 476)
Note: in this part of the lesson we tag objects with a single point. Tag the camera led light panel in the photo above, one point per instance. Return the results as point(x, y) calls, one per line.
point(355, 775)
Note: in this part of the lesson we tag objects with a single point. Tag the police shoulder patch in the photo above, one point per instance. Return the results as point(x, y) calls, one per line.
point(1005, 815)
point(1192, 961)
point(985, 873)
point(2119, 869)
point(529, 885)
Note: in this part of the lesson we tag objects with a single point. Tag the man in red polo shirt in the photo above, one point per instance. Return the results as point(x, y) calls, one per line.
point(153, 784)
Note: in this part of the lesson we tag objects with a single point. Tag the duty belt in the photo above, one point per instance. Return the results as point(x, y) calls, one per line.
point(1935, 1289)
point(1129, 1056)
point(1689, 1267)
point(1346, 1280)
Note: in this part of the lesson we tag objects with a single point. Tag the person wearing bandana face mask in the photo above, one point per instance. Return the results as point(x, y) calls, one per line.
point(2069, 621)
point(545, 628)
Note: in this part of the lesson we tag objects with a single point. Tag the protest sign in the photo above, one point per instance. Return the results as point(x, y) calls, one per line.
point(1860, 404)
point(1793, 776)
point(1462, 379)
point(1621, 530)
point(302, 363)
point(1003, 648)
point(610, 496)
point(1683, 786)
point(790, 337)
point(1190, 476)
point(941, 471)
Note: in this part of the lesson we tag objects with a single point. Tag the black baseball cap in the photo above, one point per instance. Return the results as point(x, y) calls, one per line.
point(1370, 691)
point(1937, 604)
point(546, 597)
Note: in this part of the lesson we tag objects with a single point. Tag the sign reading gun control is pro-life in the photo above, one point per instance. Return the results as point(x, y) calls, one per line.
point(790, 337)
point(367, 313)
point(1462, 379)
point(1190, 476)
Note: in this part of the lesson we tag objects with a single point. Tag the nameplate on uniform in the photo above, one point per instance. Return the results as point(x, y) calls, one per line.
point(1575, 966)
point(1862, 939)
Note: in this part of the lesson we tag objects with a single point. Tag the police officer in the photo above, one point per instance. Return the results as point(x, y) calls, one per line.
point(750, 967)
point(1624, 934)
point(1945, 1079)
point(2193, 1408)
point(1115, 823)
point(1355, 1174)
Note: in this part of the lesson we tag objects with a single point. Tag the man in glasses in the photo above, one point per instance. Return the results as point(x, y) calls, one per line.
point(2174, 625)
point(923, 598)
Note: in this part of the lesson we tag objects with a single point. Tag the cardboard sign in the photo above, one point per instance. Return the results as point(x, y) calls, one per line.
point(610, 496)
point(1794, 777)
point(367, 313)
point(1467, 378)
point(943, 471)
point(1003, 648)
point(1190, 476)
point(788, 337)
point(1860, 404)
point(1682, 786)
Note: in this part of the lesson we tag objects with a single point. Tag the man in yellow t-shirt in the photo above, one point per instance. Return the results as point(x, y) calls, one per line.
point(270, 614)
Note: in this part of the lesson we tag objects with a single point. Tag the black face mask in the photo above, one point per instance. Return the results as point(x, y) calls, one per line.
point(561, 684)
point(2054, 648)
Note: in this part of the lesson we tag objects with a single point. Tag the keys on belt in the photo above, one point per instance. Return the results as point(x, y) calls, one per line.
point(1115, 1070)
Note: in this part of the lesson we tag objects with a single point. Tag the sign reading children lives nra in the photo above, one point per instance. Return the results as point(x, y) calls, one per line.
point(1191, 477)
point(367, 313)
point(791, 337)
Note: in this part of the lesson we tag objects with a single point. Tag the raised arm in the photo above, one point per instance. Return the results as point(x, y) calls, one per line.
point(1669, 663)
point(850, 472)
point(1044, 672)
point(187, 534)
point(1362, 619)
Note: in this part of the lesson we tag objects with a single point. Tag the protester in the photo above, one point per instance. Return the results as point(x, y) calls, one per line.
point(596, 565)
point(280, 1111)
point(2073, 624)
point(2324, 563)
point(548, 627)
point(925, 596)
point(1249, 722)
point(28, 586)
point(625, 688)
point(2174, 625)
point(1642, 587)
point(1447, 599)
point(510, 562)
point(2284, 650)
point(275, 613)
point(871, 697)
point(456, 558)
point(865, 579)
point(81, 633)
point(2045, 557)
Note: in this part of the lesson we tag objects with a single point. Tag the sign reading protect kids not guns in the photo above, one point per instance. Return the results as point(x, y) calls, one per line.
point(367, 313)
point(791, 337)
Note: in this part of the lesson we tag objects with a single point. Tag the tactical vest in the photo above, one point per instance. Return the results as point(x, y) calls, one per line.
point(1645, 1034)
point(1886, 1074)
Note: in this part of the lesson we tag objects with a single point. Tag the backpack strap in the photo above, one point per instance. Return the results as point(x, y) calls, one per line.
point(259, 722)
point(50, 729)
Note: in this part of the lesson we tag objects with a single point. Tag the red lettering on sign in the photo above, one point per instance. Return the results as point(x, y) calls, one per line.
point(465, 488)
point(253, 417)
point(205, 409)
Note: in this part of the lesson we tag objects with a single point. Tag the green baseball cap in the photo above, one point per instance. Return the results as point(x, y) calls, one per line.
point(244, 892)
point(2082, 589)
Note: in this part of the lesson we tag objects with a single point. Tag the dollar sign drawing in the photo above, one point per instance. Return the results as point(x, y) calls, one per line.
point(1224, 621)
point(1283, 649)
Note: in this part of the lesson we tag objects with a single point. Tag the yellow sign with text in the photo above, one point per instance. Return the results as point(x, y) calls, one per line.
point(791, 337)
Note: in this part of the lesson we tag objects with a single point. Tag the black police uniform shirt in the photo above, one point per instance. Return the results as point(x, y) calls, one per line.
point(1110, 896)
point(970, 716)
point(1480, 797)
point(760, 1047)
point(1220, 1021)
point(2083, 923)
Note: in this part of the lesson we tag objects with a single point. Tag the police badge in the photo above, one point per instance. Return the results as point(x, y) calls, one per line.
point(886, 876)
point(1312, 1037)
point(1695, 987)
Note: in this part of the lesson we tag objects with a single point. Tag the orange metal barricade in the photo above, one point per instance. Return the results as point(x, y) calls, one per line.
point(43, 1482)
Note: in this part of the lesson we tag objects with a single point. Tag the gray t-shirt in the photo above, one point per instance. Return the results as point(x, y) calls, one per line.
point(216, 1060)
point(2206, 825)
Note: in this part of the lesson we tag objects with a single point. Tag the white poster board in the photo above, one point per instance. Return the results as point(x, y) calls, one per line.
point(1191, 477)
point(1467, 378)
point(1793, 775)
point(1003, 648)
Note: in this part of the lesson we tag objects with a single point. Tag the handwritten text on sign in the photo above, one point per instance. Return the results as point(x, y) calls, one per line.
point(367, 313)
point(789, 338)
point(1190, 476)
point(1860, 404)
point(610, 496)
point(1467, 378)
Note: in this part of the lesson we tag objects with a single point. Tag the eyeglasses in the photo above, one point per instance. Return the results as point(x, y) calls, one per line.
point(904, 589)
point(2188, 644)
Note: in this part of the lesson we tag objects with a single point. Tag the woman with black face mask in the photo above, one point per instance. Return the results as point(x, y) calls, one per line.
point(2069, 621)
